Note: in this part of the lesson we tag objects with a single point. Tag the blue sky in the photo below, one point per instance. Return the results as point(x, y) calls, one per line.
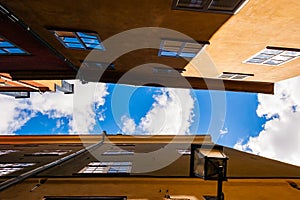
point(249, 122)
point(240, 122)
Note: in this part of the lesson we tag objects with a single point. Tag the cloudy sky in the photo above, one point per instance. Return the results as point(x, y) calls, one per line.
point(266, 125)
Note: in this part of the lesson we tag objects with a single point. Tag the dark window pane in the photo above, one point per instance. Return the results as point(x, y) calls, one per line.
point(190, 3)
point(228, 5)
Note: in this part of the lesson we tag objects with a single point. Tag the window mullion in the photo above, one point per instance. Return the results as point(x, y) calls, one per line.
point(80, 40)
point(181, 48)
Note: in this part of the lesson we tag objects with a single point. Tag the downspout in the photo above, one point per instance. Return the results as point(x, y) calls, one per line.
point(33, 172)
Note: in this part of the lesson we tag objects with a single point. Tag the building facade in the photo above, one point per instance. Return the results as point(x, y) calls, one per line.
point(131, 167)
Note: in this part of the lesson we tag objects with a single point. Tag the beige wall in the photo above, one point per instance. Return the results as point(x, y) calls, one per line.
point(152, 188)
point(259, 24)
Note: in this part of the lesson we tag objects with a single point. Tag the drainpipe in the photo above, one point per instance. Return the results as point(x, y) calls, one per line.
point(33, 172)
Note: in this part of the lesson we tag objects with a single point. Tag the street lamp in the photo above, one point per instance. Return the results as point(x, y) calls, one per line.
point(210, 163)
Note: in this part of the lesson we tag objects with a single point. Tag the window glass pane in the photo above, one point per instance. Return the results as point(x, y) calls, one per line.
point(70, 39)
point(234, 76)
point(8, 168)
point(3, 152)
point(226, 76)
point(7, 171)
point(6, 44)
point(170, 48)
point(107, 167)
point(118, 152)
point(187, 55)
point(171, 43)
point(190, 50)
point(283, 58)
point(64, 34)
point(86, 35)
point(49, 153)
point(253, 60)
point(14, 50)
point(190, 3)
point(263, 56)
point(229, 5)
point(167, 53)
point(239, 77)
point(90, 41)
point(94, 46)
point(193, 45)
point(273, 62)
point(184, 151)
point(291, 53)
point(74, 45)
point(272, 51)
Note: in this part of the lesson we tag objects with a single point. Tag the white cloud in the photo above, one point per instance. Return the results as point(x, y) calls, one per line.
point(223, 131)
point(171, 113)
point(13, 116)
point(128, 125)
point(280, 138)
point(79, 108)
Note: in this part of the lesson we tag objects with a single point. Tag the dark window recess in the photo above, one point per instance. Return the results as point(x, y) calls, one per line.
point(83, 198)
point(209, 197)
point(26, 145)
point(219, 6)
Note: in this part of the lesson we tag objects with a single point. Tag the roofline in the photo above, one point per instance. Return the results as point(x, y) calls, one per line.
point(119, 139)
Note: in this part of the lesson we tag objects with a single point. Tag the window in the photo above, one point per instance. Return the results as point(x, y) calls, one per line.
point(106, 168)
point(167, 70)
point(26, 145)
point(3, 152)
point(99, 65)
point(234, 76)
point(79, 40)
point(83, 198)
point(66, 88)
point(49, 153)
point(274, 56)
point(8, 168)
point(118, 152)
point(17, 95)
point(9, 48)
point(174, 48)
point(209, 197)
point(184, 151)
point(219, 6)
